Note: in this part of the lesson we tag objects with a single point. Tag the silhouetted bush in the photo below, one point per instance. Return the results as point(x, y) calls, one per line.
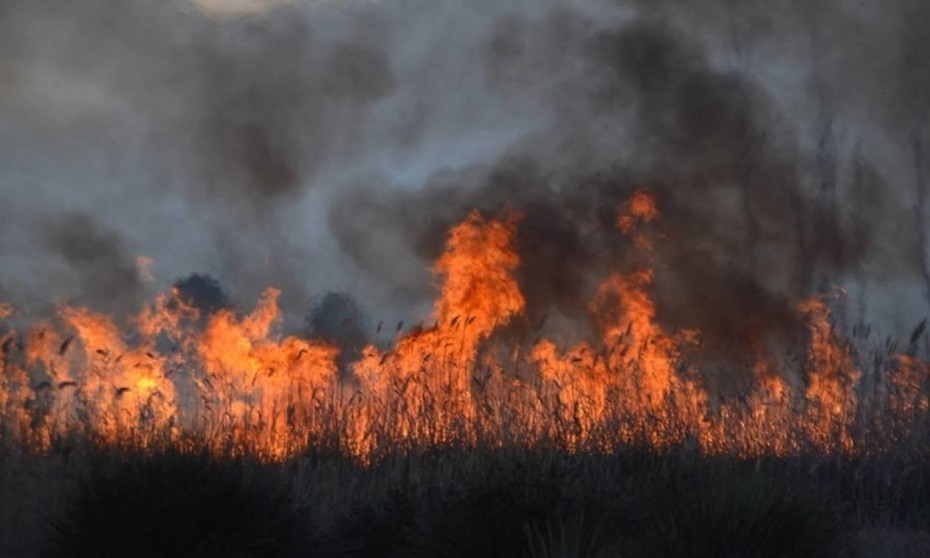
point(175, 505)
point(378, 530)
point(707, 509)
point(460, 502)
point(633, 504)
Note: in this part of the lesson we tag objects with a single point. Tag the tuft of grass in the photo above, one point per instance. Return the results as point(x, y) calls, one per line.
point(576, 536)
point(489, 520)
point(175, 504)
point(376, 530)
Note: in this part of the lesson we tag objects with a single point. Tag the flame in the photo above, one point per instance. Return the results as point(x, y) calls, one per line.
point(640, 209)
point(910, 394)
point(479, 287)
point(125, 387)
point(231, 381)
point(832, 377)
point(259, 380)
point(431, 368)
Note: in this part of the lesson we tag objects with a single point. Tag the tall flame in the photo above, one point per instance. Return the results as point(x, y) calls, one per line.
point(431, 368)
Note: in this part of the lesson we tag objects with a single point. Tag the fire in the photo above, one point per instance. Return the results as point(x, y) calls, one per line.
point(433, 366)
point(640, 209)
point(125, 387)
point(479, 288)
point(231, 381)
point(910, 395)
point(832, 377)
point(581, 383)
point(626, 316)
point(258, 380)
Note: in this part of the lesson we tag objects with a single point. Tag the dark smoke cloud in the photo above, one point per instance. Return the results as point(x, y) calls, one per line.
point(278, 113)
point(204, 293)
point(337, 319)
point(104, 271)
point(744, 235)
point(181, 133)
point(321, 146)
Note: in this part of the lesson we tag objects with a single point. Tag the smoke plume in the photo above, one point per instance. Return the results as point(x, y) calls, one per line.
point(328, 147)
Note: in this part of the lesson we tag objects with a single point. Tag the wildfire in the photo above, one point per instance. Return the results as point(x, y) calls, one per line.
point(231, 381)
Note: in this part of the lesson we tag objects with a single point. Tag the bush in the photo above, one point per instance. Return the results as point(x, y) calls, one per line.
point(377, 530)
point(515, 508)
point(631, 505)
point(175, 505)
point(709, 508)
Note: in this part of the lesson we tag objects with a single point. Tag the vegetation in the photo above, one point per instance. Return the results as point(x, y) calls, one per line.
point(173, 504)
point(78, 501)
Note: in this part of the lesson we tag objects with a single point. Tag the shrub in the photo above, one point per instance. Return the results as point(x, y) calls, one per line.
point(709, 508)
point(518, 509)
point(175, 505)
point(377, 530)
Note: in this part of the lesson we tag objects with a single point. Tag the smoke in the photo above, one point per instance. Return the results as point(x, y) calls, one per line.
point(328, 146)
point(102, 268)
point(203, 293)
point(336, 318)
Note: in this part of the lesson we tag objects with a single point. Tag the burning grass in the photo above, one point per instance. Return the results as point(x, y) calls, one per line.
point(229, 381)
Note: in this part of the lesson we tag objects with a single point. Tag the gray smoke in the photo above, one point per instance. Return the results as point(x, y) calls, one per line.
point(328, 146)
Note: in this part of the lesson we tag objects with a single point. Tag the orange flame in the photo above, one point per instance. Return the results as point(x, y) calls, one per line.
point(832, 377)
point(432, 367)
point(640, 209)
